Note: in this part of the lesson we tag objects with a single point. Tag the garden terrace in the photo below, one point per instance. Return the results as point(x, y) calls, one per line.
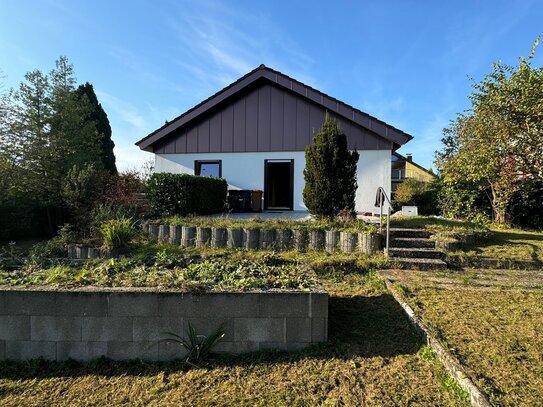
point(121, 308)
point(372, 357)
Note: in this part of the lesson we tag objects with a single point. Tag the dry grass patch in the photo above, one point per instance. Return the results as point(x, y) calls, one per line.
point(509, 244)
point(496, 332)
point(373, 358)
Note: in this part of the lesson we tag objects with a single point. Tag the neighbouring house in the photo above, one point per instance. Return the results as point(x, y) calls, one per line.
point(254, 132)
point(405, 167)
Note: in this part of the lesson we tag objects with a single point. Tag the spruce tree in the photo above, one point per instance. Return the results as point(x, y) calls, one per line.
point(103, 127)
point(330, 172)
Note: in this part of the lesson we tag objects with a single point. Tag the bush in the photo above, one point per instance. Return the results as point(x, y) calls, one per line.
point(419, 193)
point(117, 233)
point(183, 194)
point(330, 172)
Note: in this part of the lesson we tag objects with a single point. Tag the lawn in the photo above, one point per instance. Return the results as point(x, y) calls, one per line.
point(373, 357)
point(509, 244)
point(492, 320)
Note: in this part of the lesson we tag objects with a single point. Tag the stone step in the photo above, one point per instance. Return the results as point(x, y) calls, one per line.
point(411, 242)
point(407, 232)
point(406, 263)
point(419, 253)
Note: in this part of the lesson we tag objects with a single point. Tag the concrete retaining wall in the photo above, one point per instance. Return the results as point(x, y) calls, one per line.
point(123, 325)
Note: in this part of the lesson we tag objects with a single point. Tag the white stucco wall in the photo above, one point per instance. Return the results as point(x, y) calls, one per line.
point(246, 171)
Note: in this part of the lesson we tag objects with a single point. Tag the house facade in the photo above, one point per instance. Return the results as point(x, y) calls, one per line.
point(405, 167)
point(254, 132)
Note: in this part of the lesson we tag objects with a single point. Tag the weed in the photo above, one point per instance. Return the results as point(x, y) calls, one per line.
point(198, 347)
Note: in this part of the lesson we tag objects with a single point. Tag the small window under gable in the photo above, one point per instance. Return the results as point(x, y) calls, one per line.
point(207, 168)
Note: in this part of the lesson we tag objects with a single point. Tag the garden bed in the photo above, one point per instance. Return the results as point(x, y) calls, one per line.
point(122, 308)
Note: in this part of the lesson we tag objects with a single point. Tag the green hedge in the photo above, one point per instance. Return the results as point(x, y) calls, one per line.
point(183, 194)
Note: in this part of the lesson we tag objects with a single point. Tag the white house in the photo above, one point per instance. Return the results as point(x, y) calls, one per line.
point(254, 132)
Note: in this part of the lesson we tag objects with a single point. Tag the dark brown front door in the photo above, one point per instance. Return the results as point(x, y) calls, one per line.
point(278, 184)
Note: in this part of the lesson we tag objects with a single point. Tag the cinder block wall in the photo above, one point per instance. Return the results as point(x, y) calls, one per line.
point(123, 325)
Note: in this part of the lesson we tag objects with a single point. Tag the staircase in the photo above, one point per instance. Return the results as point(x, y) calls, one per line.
point(412, 249)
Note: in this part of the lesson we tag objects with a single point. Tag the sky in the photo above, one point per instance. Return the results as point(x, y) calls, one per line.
point(409, 63)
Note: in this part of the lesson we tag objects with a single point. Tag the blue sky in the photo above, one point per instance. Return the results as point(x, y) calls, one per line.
point(405, 62)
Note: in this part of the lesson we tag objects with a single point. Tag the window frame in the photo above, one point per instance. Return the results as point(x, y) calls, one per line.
point(198, 166)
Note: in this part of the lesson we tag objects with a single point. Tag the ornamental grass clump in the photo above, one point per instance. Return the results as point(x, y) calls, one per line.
point(117, 233)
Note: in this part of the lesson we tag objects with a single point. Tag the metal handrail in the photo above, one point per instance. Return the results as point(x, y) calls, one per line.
point(382, 198)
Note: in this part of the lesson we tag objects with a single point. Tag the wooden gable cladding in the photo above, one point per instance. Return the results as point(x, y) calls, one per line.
point(265, 117)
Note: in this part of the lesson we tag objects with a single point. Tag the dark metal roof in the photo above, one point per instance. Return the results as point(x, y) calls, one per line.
point(334, 105)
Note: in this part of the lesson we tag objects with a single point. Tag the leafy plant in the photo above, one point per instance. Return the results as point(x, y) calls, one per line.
point(183, 194)
point(198, 347)
point(117, 233)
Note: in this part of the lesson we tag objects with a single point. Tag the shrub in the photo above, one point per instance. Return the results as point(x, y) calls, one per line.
point(117, 233)
point(183, 194)
point(419, 193)
point(330, 172)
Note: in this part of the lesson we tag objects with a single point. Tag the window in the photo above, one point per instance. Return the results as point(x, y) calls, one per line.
point(397, 174)
point(208, 168)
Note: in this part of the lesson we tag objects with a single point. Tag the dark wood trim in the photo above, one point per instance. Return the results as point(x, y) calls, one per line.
point(197, 165)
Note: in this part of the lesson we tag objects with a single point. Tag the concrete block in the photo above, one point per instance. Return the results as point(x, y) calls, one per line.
point(319, 305)
point(298, 329)
point(169, 350)
point(25, 350)
point(176, 305)
point(208, 326)
point(319, 329)
point(106, 329)
point(55, 328)
point(15, 327)
point(227, 305)
point(218, 237)
point(246, 347)
point(132, 350)
point(235, 238)
point(133, 304)
point(155, 328)
point(251, 238)
point(284, 305)
point(81, 351)
point(175, 234)
point(188, 236)
point(263, 346)
point(259, 329)
point(163, 233)
point(81, 304)
point(29, 303)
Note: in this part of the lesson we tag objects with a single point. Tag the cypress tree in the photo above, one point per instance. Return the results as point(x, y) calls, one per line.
point(103, 127)
point(330, 172)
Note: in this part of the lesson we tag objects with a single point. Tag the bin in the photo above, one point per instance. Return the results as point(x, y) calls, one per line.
point(239, 200)
point(256, 200)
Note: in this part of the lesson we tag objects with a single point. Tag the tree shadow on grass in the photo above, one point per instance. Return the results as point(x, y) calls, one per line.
point(359, 326)
point(505, 238)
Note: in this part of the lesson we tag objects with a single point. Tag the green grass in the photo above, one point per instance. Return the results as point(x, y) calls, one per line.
point(509, 244)
point(436, 225)
point(492, 322)
point(225, 222)
point(372, 358)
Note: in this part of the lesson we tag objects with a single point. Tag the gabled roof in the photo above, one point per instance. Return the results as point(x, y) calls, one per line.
point(414, 163)
point(333, 105)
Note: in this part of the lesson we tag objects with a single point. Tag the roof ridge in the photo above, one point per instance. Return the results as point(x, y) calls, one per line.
point(263, 67)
